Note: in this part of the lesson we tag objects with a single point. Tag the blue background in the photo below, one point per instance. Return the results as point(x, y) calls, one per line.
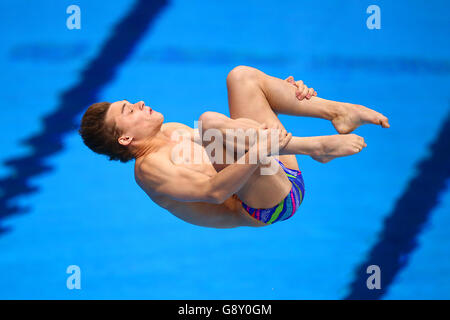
point(63, 205)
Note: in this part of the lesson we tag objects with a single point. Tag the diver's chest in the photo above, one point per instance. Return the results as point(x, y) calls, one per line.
point(193, 156)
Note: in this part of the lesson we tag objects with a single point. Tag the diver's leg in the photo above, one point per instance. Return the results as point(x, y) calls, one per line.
point(247, 85)
point(264, 190)
point(320, 148)
point(246, 99)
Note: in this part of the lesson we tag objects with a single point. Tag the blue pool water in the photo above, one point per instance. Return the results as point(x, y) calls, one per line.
point(63, 205)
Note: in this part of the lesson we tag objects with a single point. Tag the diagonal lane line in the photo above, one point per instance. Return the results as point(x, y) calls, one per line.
point(411, 212)
point(98, 73)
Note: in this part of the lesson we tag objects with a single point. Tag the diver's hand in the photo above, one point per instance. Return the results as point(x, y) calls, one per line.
point(270, 144)
point(302, 91)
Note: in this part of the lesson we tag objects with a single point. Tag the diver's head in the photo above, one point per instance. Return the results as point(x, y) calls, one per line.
point(118, 129)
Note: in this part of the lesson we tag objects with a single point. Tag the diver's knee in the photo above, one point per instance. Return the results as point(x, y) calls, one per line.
point(208, 119)
point(242, 73)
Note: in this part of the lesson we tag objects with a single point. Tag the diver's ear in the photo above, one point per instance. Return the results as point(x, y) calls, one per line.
point(125, 140)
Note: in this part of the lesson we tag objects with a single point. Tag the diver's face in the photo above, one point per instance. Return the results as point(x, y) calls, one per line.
point(135, 120)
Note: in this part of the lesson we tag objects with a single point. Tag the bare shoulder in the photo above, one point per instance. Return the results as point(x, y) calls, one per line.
point(148, 173)
point(151, 164)
point(156, 170)
point(149, 169)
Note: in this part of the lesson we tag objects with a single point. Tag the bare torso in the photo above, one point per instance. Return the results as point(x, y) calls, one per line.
point(225, 215)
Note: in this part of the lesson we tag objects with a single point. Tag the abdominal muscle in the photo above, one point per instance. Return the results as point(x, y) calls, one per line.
point(229, 214)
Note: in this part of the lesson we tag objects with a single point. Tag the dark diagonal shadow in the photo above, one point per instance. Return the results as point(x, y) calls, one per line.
point(98, 72)
point(412, 210)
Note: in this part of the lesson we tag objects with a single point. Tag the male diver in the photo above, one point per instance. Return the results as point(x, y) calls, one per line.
point(227, 195)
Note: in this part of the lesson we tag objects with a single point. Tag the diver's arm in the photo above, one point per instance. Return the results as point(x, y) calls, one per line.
point(187, 185)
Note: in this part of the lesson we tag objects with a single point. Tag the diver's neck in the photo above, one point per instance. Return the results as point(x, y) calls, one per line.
point(150, 145)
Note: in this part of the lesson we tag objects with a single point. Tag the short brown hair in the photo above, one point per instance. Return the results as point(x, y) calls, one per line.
point(100, 138)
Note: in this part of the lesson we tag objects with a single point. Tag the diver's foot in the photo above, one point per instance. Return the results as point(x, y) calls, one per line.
point(351, 116)
point(338, 145)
